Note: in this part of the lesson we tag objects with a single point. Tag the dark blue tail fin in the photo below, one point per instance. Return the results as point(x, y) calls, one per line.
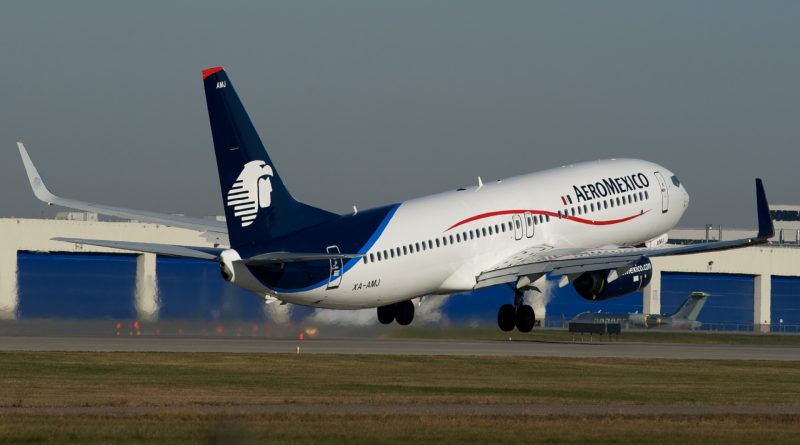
point(258, 207)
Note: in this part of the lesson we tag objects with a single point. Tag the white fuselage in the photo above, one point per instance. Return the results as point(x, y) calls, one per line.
point(493, 222)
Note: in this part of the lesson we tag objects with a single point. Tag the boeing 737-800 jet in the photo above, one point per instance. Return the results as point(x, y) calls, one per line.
point(595, 224)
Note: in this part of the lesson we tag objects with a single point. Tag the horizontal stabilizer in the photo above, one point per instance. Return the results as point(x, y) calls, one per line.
point(293, 257)
point(200, 253)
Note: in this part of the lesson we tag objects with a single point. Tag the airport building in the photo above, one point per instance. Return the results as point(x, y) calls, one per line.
point(755, 288)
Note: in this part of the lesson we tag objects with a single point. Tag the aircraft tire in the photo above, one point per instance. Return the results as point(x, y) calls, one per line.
point(506, 317)
point(386, 313)
point(525, 318)
point(404, 312)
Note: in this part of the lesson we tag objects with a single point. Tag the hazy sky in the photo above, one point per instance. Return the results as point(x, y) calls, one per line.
point(374, 102)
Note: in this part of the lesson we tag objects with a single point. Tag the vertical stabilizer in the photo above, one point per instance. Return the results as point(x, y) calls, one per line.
point(258, 207)
point(691, 308)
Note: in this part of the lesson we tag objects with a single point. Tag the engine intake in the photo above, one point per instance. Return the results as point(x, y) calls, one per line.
point(594, 285)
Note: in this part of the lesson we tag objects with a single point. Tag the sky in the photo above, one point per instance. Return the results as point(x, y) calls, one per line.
point(373, 102)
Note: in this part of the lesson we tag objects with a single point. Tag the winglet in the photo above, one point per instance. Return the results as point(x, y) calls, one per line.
point(766, 229)
point(39, 189)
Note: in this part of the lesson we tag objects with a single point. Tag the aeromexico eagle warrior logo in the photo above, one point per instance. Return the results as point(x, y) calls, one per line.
point(251, 191)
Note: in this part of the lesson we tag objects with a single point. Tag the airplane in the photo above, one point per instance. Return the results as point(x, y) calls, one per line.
point(684, 318)
point(593, 224)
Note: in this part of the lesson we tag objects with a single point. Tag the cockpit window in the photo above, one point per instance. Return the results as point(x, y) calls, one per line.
point(676, 181)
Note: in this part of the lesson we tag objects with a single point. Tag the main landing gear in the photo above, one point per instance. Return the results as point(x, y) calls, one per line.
point(403, 312)
point(517, 314)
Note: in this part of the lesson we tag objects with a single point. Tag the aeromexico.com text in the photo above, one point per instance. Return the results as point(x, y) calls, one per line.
point(611, 186)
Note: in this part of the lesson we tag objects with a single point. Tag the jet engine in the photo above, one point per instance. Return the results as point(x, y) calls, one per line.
point(595, 286)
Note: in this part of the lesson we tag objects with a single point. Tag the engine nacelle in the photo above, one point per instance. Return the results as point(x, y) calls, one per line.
point(595, 286)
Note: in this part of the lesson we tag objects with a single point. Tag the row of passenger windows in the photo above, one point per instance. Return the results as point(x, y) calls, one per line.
point(410, 249)
point(605, 204)
point(469, 235)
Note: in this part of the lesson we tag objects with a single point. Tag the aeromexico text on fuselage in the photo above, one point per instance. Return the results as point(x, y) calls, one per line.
point(610, 187)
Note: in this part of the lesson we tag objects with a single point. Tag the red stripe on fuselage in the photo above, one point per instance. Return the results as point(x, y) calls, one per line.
point(546, 212)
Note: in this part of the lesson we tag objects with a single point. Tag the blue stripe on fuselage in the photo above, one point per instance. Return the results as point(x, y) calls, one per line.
point(327, 234)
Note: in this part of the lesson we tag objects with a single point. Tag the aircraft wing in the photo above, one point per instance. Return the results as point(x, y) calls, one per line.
point(539, 260)
point(216, 231)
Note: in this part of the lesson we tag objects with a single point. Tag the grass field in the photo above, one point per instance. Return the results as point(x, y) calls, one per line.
point(412, 429)
point(181, 383)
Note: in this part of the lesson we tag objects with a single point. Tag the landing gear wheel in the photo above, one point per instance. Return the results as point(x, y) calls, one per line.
point(404, 312)
point(524, 318)
point(386, 314)
point(506, 317)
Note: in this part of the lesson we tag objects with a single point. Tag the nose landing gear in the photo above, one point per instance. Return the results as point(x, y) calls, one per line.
point(519, 315)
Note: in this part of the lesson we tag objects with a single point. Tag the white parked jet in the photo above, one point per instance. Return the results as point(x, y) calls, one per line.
point(595, 224)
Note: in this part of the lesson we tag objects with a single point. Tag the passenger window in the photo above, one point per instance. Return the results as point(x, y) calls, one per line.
point(437, 242)
point(405, 251)
point(618, 201)
point(490, 230)
point(591, 206)
point(548, 218)
point(371, 257)
point(510, 227)
point(483, 230)
point(646, 195)
point(430, 244)
point(559, 217)
point(451, 239)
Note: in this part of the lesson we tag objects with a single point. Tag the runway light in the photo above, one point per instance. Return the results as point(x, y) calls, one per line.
point(254, 330)
point(302, 336)
point(311, 331)
point(219, 330)
point(180, 331)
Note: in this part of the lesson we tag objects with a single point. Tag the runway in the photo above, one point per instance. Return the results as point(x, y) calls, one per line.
point(374, 346)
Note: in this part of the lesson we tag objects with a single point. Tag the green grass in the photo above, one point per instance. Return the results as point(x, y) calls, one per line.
point(180, 379)
point(174, 387)
point(411, 429)
point(638, 336)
